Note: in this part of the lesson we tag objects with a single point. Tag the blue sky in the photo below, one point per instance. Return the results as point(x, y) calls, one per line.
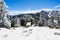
point(32, 4)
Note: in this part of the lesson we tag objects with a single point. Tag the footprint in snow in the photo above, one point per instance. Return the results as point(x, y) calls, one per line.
point(5, 35)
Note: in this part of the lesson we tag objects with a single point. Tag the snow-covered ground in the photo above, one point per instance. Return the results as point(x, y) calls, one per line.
point(31, 33)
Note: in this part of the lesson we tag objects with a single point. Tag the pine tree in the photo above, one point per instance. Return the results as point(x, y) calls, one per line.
point(3, 14)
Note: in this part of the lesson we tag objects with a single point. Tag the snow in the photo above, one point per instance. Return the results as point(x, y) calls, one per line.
point(30, 33)
point(29, 23)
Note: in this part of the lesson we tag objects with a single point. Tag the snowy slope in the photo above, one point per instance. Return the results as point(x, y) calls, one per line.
point(31, 33)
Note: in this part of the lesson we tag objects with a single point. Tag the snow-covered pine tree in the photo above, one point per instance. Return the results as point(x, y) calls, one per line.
point(3, 15)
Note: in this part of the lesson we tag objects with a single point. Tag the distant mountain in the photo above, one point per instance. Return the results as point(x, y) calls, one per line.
point(46, 13)
point(55, 13)
point(40, 16)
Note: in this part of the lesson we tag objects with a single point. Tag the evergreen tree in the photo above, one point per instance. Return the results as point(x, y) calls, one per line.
point(3, 14)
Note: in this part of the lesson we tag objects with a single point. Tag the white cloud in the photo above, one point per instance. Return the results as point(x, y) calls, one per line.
point(23, 12)
point(30, 11)
point(47, 9)
point(57, 6)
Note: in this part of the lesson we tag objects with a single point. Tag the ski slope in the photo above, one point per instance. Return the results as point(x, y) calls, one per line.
point(31, 33)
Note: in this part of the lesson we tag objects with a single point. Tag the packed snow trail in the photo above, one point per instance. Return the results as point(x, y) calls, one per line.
point(30, 33)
